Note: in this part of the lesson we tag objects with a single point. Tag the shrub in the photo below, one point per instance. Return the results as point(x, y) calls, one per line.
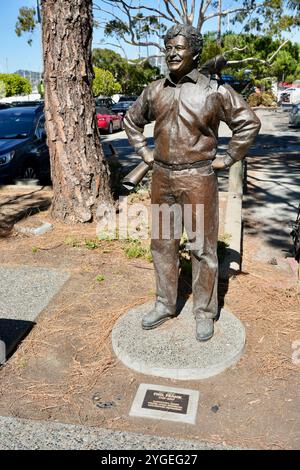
point(104, 83)
point(15, 84)
point(264, 99)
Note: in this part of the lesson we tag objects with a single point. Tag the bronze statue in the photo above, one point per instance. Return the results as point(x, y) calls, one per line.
point(187, 107)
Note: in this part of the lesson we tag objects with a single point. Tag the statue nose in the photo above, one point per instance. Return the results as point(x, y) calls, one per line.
point(173, 52)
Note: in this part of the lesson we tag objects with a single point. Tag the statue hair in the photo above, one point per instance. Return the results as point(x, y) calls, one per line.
point(192, 35)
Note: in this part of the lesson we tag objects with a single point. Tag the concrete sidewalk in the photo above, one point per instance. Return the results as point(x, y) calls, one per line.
point(25, 434)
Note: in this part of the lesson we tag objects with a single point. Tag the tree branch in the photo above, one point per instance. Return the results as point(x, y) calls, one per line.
point(142, 61)
point(191, 16)
point(234, 49)
point(255, 59)
point(276, 52)
point(225, 13)
point(184, 10)
point(134, 40)
point(104, 43)
point(249, 59)
point(167, 2)
point(202, 10)
point(141, 7)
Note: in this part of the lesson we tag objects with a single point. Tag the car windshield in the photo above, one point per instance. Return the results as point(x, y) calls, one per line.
point(127, 98)
point(124, 104)
point(101, 110)
point(15, 124)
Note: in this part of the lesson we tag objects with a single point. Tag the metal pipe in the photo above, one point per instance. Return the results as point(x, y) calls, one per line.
point(135, 176)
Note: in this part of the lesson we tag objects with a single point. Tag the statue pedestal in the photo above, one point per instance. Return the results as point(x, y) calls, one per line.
point(172, 351)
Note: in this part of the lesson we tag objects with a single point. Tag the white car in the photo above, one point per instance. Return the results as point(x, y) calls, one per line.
point(295, 96)
point(294, 116)
point(285, 95)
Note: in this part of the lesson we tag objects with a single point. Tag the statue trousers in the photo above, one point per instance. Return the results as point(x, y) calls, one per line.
point(193, 194)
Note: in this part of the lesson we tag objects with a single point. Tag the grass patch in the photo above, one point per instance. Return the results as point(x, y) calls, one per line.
point(133, 248)
point(92, 243)
point(99, 278)
point(72, 241)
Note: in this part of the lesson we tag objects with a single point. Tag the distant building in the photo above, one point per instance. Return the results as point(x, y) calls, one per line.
point(160, 63)
point(33, 77)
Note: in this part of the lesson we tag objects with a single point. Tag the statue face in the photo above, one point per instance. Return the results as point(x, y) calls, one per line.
point(179, 57)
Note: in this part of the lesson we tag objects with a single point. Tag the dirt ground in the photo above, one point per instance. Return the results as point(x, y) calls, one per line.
point(65, 369)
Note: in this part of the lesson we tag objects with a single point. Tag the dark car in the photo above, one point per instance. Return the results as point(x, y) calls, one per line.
point(4, 105)
point(22, 104)
point(128, 98)
point(104, 102)
point(23, 148)
point(122, 107)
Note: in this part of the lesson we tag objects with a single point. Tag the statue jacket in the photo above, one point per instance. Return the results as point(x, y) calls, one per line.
point(187, 117)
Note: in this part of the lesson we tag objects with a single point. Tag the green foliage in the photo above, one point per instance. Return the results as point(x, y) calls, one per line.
point(270, 17)
point(72, 241)
point(2, 89)
point(132, 77)
point(92, 244)
point(15, 84)
point(133, 248)
point(41, 89)
point(99, 278)
point(104, 83)
point(26, 22)
point(285, 64)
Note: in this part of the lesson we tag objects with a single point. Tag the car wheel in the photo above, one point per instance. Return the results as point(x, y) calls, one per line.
point(110, 128)
point(29, 172)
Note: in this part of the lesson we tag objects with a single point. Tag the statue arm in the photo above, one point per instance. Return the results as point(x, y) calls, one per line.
point(243, 122)
point(135, 120)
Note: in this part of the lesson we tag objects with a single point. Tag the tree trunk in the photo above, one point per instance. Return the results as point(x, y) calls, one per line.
point(79, 172)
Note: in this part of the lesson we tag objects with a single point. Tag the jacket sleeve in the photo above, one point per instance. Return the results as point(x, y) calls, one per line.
point(243, 122)
point(135, 120)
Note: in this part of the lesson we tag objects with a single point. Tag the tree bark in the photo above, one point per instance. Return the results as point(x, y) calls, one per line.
point(79, 171)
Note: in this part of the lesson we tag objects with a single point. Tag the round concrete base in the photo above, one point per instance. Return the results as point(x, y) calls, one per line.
point(172, 351)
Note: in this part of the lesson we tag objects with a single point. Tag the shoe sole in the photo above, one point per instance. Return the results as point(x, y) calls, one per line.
point(204, 338)
point(159, 322)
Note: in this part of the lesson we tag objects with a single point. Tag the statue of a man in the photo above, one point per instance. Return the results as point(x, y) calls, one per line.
point(187, 108)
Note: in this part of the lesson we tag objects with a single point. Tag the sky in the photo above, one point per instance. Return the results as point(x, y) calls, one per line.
point(16, 54)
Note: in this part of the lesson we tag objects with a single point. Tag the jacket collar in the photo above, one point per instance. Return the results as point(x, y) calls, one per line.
point(192, 76)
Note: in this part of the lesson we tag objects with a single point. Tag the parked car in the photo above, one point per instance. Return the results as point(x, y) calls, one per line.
point(23, 148)
point(294, 116)
point(108, 120)
point(128, 98)
point(22, 104)
point(284, 96)
point(122, 107)
point(104, 101)
point(4, 105)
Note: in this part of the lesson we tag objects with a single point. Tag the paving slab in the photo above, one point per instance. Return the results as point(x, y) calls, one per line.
point(24, 292)
point(172, 350)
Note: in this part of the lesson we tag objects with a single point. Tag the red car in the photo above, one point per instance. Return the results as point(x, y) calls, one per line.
point(109, 121)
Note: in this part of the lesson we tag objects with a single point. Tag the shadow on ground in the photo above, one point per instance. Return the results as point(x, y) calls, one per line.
point(15, 207)
point(12, 332)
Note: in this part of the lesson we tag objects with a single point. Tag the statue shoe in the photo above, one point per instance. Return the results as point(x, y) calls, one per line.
point(204, 328)
point(158, 315)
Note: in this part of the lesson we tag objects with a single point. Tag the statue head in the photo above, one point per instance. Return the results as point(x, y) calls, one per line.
point(183, 49)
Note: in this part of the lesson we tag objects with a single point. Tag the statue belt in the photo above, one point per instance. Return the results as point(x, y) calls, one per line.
point(182, 166)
